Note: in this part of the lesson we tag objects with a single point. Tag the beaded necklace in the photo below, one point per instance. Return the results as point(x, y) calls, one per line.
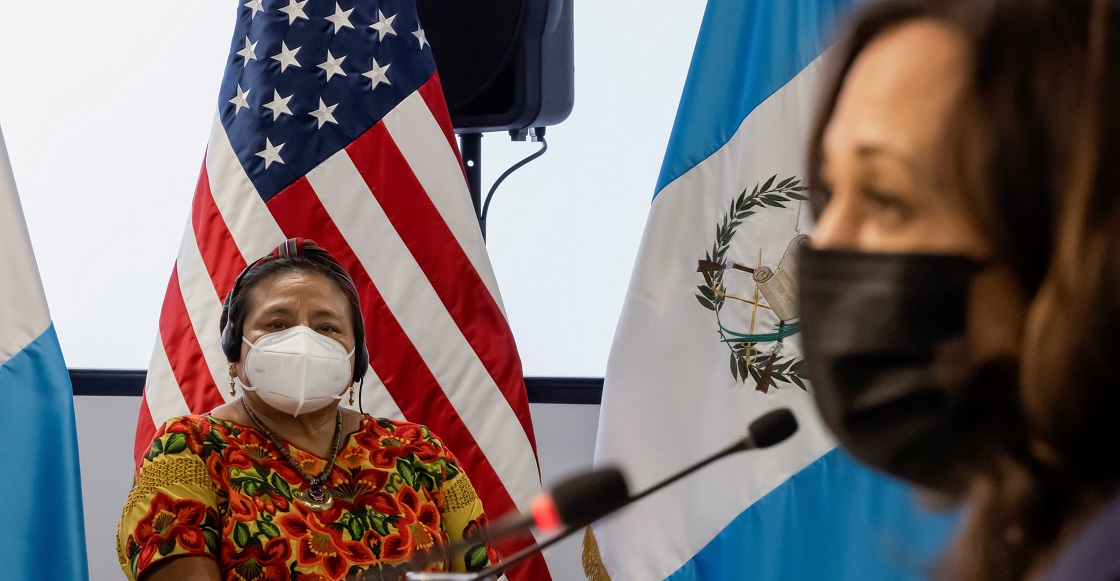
point(316, 497)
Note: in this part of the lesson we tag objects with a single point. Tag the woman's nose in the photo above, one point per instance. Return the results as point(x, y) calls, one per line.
point(838, 225)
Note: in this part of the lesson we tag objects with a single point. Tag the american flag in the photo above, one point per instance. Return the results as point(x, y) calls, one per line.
point(332, 125)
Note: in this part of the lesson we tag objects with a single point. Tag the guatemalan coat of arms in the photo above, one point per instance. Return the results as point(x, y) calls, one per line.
point(764, 296)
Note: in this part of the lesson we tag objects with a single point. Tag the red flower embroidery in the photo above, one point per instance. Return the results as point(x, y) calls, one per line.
point(352, 457)
point(309, 462)
point(241, 508)
point(270, 501)
point(249, 449)
point(169, 523)
point(258, 563)
point(323, 546)
point(417, 529)
point(356, 492)
point(405, 440)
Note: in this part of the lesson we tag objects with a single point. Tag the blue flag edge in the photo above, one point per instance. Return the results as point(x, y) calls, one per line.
point(44, 532)
point(780, 39)
point(834, 519)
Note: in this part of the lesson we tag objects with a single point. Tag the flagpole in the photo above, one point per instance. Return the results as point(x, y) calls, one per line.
point(470, 145)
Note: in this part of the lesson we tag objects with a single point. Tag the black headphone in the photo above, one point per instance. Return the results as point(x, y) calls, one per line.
point(232, 331)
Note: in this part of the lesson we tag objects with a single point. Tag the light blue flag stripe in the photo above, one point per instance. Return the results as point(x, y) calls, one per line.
point(746, 50)
point(42, 534)
point(832, 520)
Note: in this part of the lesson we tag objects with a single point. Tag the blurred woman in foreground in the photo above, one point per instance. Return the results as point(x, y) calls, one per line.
point(961, 302)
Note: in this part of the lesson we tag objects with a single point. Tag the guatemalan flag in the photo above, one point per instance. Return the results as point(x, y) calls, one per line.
point(43, 536)
point(331, 125)
point(707, 340)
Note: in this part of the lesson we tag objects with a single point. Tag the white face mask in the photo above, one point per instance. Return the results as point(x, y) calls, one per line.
point(297, 370)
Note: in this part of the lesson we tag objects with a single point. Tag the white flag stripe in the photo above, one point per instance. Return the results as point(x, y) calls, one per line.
point(204, 307)
point(425, 148)
point(418, 309)
point(165, 399)
point(376, 400)
point(23, 305)
point(246, 216)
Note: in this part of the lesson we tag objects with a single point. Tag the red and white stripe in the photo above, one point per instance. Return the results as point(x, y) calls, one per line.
point(394, 208)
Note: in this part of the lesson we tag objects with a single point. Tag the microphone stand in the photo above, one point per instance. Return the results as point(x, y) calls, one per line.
point(493, 571)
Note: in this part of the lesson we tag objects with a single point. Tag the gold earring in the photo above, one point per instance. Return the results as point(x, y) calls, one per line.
point(351, 394)
point(232, 385)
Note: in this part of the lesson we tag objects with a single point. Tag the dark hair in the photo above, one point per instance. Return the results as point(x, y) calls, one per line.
point(294, 256)
point(1035, 143)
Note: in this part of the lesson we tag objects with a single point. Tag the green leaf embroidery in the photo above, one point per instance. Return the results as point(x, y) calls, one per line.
point(476, 558)
point(280, 485)
point(240, 534)
point(175, 443)
point(270, 530)
point(213, 542)
point(407, 472)
point(356, 529)
point(166, 546)
point(450, 470)
point(424, 479)
point(214, 442)
point(249, 487)
point(379, 522)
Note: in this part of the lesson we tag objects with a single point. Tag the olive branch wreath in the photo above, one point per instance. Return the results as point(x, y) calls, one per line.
point(744, 355)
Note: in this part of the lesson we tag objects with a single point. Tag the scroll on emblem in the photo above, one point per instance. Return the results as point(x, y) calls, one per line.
point(779, 287)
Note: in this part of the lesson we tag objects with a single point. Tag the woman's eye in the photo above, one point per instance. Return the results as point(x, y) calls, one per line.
point(278, 325)
point(888, 206)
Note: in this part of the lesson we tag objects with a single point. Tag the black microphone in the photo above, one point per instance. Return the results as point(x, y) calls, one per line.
point(575, 501)
point(591, 504)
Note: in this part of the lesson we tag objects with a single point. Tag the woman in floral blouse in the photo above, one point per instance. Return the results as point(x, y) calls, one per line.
point(283, 482)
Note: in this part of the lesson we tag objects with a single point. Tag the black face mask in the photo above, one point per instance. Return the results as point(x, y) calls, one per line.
point(885, 342)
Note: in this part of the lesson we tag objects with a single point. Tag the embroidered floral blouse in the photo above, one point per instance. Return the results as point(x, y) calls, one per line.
point(216, 488)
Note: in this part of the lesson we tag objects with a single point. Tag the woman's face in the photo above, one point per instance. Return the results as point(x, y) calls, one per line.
point(887, 170)
point(293, 299)
point(884, 157)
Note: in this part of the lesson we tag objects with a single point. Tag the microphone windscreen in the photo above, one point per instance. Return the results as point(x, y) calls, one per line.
point(587, 497)
point(772, 427)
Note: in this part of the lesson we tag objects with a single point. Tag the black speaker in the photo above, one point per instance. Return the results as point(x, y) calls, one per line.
point(505, 65)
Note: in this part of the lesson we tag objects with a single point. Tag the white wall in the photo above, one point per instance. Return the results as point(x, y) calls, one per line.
point(565, 444)
point(106, 426)
point(106, 109)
